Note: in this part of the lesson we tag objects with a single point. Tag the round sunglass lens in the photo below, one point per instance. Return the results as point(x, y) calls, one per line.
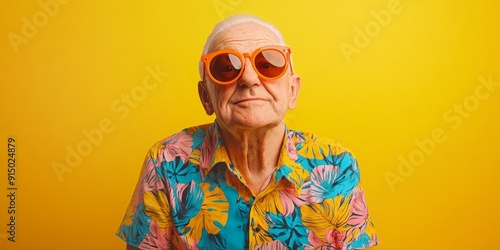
point(225, 67)
point(270, 63)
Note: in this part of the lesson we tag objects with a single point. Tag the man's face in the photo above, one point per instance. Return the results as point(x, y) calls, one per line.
point(251, 102)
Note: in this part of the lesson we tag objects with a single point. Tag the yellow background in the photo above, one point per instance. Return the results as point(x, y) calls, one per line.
point(401, 86)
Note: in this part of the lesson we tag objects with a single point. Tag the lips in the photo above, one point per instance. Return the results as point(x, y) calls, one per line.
point(248, 100)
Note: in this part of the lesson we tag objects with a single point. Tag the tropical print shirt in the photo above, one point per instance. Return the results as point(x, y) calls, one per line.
point(190, 196)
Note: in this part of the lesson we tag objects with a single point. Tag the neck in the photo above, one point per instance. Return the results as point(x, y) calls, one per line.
point(254, 152)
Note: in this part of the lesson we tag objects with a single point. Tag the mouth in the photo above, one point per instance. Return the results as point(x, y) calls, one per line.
point(246, 100)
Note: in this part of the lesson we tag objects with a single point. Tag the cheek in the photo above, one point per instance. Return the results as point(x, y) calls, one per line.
point(280, 93)
point(220, 95)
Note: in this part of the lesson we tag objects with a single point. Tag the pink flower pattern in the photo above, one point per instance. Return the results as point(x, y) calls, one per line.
point(179, 145)
point(359, 212)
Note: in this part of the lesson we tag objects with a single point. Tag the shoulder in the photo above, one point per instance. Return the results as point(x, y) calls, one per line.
point(179, 144)
point(331, 166)
point(310, 145)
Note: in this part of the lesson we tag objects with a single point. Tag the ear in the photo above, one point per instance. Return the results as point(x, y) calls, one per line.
point(294, 91)
point(205, 97)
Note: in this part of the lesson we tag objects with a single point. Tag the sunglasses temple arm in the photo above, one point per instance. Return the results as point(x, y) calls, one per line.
point(203, 73)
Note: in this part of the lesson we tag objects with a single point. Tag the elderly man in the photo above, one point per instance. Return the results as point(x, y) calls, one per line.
point(247, 181)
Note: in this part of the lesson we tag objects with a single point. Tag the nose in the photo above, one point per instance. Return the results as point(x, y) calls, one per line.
point(249, 77)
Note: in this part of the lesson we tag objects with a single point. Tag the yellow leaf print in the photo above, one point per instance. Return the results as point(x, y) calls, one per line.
point(298, 175)
point(338, 149)
point(195, 156)
point(155, 150)
point(354, 234)
point(212, 215)
point(315, 148)
point(330, 214)
point(268, 203)
point(258, 238)
point(221, 155)
point(156, 206)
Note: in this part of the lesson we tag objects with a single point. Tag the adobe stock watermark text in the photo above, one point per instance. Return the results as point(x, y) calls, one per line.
point(454, 117)
point(32, 25)
point(121, 108)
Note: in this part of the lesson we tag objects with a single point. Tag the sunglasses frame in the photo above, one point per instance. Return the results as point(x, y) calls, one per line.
point(284, 50)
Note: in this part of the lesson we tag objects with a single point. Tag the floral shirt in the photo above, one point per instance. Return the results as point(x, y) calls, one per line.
point(190, 196)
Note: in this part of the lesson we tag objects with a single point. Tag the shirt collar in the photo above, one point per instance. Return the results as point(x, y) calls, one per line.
point(287, 168)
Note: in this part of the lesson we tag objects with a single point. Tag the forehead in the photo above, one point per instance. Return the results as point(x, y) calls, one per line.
point(245, 37)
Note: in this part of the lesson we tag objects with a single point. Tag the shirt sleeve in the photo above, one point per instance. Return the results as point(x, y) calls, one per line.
point(357, 231)
point(147, 221)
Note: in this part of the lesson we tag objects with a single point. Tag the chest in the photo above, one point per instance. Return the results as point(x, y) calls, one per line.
point(221, 213)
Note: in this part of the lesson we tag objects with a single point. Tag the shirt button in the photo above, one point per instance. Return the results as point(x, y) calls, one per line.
point(257, 229)
point(239, 226)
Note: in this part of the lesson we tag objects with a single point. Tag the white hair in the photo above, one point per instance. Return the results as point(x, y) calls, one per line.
point(232, 21)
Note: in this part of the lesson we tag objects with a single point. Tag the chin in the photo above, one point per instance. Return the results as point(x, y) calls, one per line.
point(258, 123)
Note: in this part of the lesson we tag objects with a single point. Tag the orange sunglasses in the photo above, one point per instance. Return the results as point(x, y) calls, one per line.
point(227, 66)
